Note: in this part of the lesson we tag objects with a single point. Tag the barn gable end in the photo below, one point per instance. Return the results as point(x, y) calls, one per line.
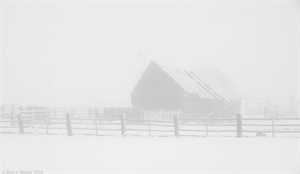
point(199, 93)
point(157, 90)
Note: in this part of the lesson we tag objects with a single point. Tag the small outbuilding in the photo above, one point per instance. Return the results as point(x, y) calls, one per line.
point(200, 93)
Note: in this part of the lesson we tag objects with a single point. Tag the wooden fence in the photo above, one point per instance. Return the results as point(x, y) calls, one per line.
point(166, 115)
point(271, 107)
point(79, 112)
point(68, 125)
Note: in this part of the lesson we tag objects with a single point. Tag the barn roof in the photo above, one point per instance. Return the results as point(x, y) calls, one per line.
point(206, 82)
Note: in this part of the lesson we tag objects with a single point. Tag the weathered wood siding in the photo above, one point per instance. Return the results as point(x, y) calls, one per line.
point(194, 106)
point(197, 107)
point(157, 90)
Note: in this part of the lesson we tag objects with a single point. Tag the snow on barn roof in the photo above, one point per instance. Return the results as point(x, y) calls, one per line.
point(206, 82)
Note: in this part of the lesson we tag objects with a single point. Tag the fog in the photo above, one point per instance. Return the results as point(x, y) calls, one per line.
point(70, 54)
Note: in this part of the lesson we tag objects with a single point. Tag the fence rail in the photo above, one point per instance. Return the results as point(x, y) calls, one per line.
point(129, 126)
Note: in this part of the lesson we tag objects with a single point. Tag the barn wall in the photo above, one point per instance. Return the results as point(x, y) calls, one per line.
point(157, 90)
point(196, 107)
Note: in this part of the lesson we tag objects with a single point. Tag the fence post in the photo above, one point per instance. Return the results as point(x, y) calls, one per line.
point(21, 126)
point(69, 126)
point(49, 121)
point(123, 124)
point(273, 131)
point(239, 125)
point(176, 126)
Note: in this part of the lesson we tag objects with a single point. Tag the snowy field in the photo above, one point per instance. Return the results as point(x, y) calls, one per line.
point(84, 154)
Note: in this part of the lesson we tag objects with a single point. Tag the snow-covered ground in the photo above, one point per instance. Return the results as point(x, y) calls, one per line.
point(57, 154)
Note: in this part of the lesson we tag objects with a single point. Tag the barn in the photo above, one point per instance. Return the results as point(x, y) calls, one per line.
point(199, 93)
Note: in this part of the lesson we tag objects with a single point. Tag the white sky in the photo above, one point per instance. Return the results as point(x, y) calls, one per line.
point(90, 51)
